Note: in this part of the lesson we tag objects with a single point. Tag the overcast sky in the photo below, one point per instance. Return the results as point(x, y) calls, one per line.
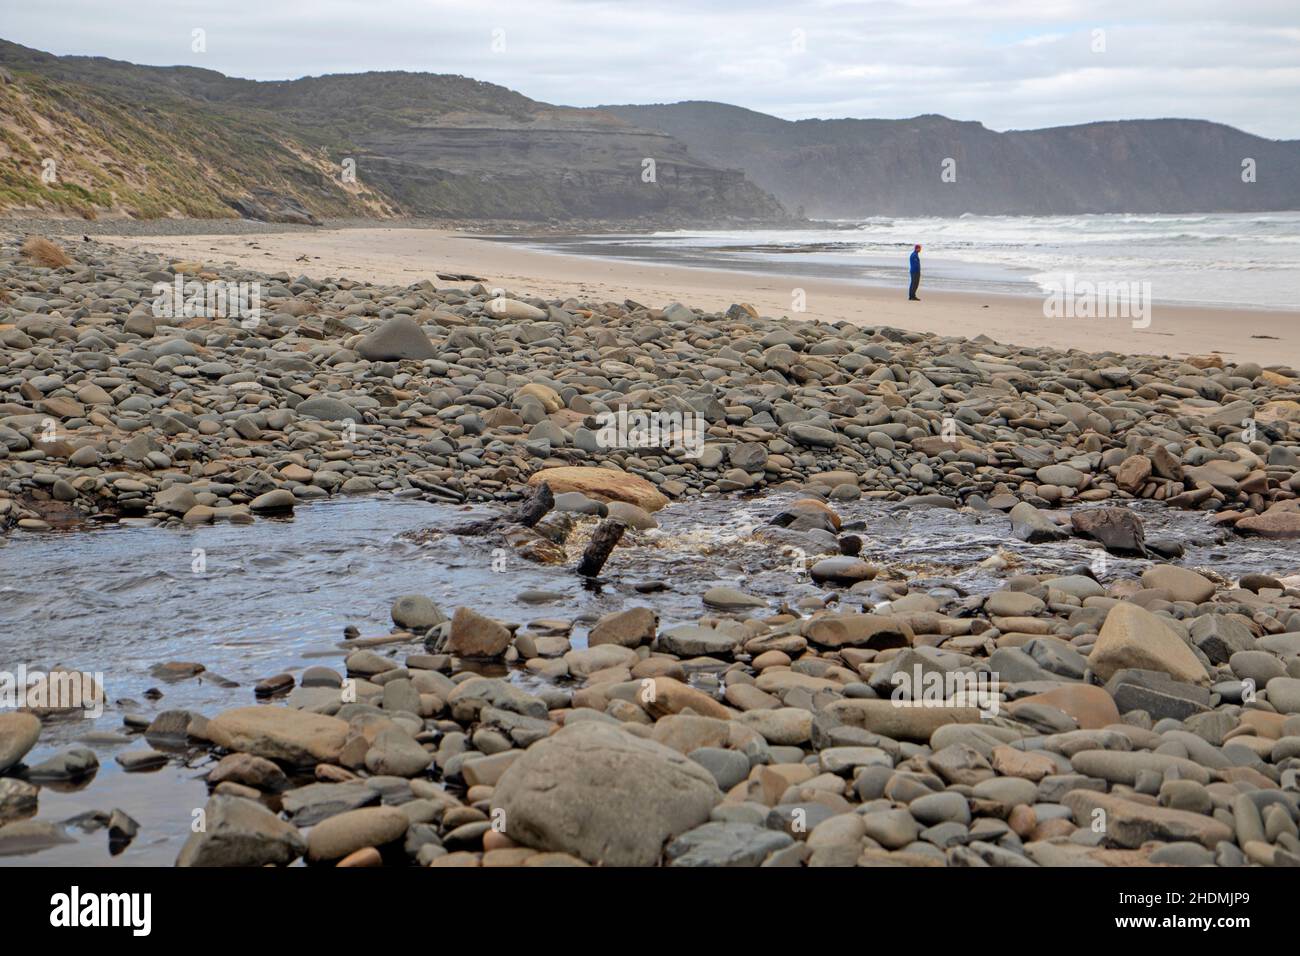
point(1010, 64)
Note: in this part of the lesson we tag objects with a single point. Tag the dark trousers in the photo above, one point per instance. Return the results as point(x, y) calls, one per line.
point(916, 284)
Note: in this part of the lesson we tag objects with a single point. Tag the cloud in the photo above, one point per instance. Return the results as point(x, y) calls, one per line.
point(1011, 64)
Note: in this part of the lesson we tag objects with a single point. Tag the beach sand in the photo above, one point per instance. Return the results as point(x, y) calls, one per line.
point(406, 255)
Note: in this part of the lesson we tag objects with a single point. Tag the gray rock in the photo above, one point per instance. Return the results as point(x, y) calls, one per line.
point(415, 612)
point(725, 844)
point(1031, 525)
point(71, 764)
point(398, 338)
point(240, 832)
point(728, 767)
point(602, 794)
point(690, 640)
point(328, 409)
point(314, 802)
point(940, 808)
point(395, 752)
point(1156, 693)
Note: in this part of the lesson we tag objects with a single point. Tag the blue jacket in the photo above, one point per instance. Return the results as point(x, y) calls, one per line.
point(916, 262)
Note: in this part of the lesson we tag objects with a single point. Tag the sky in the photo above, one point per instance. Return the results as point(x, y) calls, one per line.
point(1010, 64)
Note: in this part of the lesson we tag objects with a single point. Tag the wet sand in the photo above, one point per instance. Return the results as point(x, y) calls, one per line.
point(402, 255)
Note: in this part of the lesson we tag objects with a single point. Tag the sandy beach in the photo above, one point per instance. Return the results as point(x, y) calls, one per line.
point(400, 255)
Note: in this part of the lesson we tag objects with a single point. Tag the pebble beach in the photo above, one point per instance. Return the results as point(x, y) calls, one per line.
point(1129, 707)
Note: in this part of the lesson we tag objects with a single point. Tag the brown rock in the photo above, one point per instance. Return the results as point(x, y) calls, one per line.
point(1134, 637)
point(603, 484)
point(630, 628)
point(1133, 474)
point(474, 635)
point(278, 733)
point(1011, 762)
point(669, 696)
point(345, 833)
point(872, 631)
point(1274, 523)
point(1088, 704)
point(1182, 584)
point(887, 718)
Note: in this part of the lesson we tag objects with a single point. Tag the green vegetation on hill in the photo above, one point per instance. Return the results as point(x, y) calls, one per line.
point(179, 141)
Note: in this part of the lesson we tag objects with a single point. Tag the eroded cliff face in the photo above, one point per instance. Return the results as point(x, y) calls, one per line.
point(852, 168)
point(555, 165)
point(150, 141)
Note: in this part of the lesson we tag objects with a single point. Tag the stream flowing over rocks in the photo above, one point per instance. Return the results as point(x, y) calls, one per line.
point(910, 600)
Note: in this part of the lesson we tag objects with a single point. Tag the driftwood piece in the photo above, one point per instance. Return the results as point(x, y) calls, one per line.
point(535, 507)
point(606, 536)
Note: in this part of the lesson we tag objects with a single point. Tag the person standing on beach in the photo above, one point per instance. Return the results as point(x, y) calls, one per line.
point(916, 273)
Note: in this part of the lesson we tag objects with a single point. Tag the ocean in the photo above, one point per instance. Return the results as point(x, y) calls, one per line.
point(1246, 260)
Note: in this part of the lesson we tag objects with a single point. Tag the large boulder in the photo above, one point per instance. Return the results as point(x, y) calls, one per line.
point(1119, 530)
point(1180, 583)
point(398, 338)
point(598, 792)
point(296, 737)
point(1277, 522)
point(474, 635)
point(18, 734)
point(241, 832)
point(631, 627)
point(1134, 637)
point(415, 612)
point(602, 484)
point(1089, 705)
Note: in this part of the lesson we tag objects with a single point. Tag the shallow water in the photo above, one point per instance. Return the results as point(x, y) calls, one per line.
point(276, 595)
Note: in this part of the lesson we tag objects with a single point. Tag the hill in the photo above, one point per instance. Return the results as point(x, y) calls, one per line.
point(851, 168)
point(178, 141)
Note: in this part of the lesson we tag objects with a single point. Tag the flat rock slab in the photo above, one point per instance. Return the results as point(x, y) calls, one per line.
point(887, 718)
point(315, 802)
point(30, 836)
point(872, 631)
point(279, 733)
point(603, 484)
point(1119, 766)
point(1130, 824)
point(726, 844)
point(1090, 706)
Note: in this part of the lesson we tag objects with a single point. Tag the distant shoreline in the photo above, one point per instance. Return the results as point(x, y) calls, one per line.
point(783, 263)
point(405, 255)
